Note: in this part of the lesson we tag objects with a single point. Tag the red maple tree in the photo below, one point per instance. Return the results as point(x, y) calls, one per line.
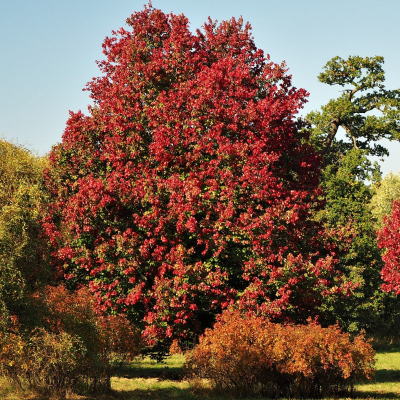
point(389, 238)
point(188, 187)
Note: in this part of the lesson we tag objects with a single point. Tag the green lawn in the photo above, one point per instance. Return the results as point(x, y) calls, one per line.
point(386, 384)
point(146, 379)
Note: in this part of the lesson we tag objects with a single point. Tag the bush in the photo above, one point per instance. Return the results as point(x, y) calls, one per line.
point(250, 355)
point(175, 348)
point(73, 349)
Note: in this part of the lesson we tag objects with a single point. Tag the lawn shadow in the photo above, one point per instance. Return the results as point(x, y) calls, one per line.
point(161, 394)
point(162, 371)
point(375, 395)
point(382, 376)
point(387, 375)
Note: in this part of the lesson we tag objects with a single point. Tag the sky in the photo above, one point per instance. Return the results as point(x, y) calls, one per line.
point(48, 50)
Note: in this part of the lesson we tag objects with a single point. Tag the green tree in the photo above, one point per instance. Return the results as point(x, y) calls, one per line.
point(385, 192)
point(347, 198)
point(366, 112)
point(24, 253)
point(364, 92)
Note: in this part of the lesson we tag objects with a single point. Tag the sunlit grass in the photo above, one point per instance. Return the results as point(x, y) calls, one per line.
point(145, 379)
point(386, 383)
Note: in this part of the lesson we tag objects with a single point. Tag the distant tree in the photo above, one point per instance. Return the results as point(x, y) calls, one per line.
point(386, 191)
point(188, 187)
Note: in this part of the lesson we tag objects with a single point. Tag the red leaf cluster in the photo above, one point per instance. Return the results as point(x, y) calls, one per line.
point(188, 186)
point(389, 238)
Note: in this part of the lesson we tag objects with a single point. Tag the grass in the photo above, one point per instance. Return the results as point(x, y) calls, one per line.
point(386, 384)
point(145, 380)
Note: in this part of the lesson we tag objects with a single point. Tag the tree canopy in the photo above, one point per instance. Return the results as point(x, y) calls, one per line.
point(389, 239)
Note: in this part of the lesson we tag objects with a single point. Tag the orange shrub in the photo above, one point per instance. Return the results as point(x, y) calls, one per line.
point(251, 355)
point(175, 348)
point(75, 313)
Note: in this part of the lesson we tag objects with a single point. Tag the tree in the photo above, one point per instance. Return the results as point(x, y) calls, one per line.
point(346, 168)
point(347, 199)
point(389, 239)
point(385, 192)
point(24, 251)
point(50, 338)
point(188, 187)
point(364, 93)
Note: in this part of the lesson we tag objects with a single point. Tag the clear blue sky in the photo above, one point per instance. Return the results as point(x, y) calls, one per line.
point(49, 47)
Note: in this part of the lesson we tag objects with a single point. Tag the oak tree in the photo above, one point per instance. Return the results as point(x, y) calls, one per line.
point(365, 112)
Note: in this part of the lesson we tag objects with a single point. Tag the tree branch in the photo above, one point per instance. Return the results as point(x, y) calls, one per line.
point(335, 123)
point(348, 131)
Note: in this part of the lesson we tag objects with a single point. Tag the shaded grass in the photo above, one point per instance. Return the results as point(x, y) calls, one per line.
point(145, 379)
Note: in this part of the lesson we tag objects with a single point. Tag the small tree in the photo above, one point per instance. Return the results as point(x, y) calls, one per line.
point(382, 201)
point(188, 186)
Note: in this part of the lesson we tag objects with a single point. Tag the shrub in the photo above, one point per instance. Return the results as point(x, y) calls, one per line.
point(175, 348)
point(45, 362)
point(111, 340)
point(251, 355)
point(73, 349)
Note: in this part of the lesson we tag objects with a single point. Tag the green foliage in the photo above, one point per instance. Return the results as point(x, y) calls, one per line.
point(343, 179)
point(251, 355)
point(347, 199)
point(24, 254)
point(364, 92)
point(384, 193)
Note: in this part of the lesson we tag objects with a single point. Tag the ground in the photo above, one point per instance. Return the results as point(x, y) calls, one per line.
point(145, 380)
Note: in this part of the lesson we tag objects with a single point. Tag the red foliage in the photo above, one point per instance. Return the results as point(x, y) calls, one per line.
point(389, 238)
point(188, 187)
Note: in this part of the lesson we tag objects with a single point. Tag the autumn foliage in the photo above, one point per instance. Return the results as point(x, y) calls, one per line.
point(188, 187)
point(71, 349)
point(249, 355)
point(389, 239)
